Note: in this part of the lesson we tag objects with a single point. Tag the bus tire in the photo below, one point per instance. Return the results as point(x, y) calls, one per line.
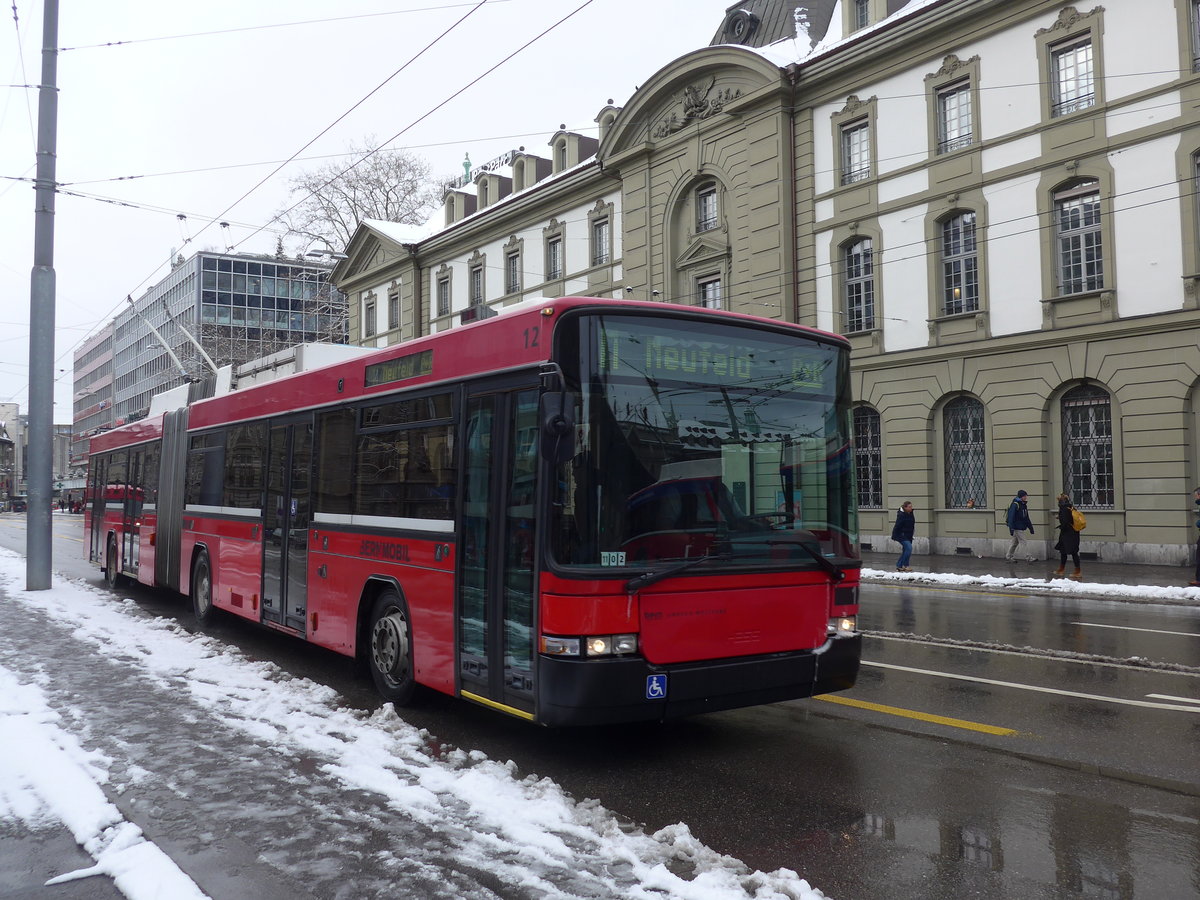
point(112, 565)
point(389, 648)
point(201, 588)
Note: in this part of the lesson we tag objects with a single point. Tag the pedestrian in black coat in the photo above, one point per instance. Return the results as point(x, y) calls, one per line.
point(902, 534)
point(1068, 537)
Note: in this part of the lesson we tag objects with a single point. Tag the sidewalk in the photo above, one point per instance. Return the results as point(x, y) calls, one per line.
point(1095, 575)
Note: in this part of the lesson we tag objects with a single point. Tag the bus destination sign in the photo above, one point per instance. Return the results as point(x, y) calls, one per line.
point(729, 358)
point(400, 369)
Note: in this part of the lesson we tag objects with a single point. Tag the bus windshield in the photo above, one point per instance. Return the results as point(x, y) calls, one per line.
point(698, 439)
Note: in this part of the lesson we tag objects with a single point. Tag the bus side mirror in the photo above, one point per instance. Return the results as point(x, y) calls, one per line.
point(558, 426)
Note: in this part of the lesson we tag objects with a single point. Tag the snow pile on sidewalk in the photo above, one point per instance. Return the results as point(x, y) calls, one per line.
point(1145, 593)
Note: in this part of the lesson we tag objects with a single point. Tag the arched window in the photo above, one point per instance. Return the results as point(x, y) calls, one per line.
point(868, 457)
point(960, 265)
point(1088, 447)
point(966, 453)
point(858, 286)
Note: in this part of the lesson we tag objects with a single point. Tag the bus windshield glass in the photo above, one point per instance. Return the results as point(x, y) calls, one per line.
point(702, 439)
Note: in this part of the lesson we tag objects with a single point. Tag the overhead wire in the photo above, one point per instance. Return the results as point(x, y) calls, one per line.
point(474, 8)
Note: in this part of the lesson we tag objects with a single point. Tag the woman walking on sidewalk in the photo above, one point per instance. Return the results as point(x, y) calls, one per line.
point(1068, 537)
point(902, 534)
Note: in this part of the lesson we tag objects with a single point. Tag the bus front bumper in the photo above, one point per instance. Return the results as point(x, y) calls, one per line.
point(605, 691)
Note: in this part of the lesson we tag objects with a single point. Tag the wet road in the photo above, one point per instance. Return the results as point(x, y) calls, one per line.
point(958, 772)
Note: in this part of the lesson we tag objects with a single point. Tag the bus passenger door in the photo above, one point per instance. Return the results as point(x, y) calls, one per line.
point(97, 480)
point(496, 548)
point(286, 518)
point(131, 513)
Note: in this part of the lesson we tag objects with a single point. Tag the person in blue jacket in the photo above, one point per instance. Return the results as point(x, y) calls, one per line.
point(902, 534)
point(1018, 523)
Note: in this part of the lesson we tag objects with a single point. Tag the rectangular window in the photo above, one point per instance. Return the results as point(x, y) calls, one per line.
point(868, 458)
point(1088, 448)
point(1079, 239)
point(476, 285)
point(245, 451)
point(708, 292)
point(407, 473)
point(861, 14)
point(856, 152)
point(1195, 14)
point(205, 470)
point(860, 287)
point(960, 265)
point(600, 234)
point(955, 129)
point(393, 310)
point(443, 297)
point(1072, 78)
point(554, 259)
point(335, 455)
point(706, 208)
point(966, 454)
point(512, 273)
point(369, 321)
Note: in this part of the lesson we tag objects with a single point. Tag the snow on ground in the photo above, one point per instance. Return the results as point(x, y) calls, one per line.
point(526, 831)
point(1136, 592)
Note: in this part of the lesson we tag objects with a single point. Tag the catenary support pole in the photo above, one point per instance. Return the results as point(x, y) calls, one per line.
point(39, 459)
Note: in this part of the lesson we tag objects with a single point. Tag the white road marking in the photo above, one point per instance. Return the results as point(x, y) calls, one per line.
point(1030, 687)
point(1131, 628)
point(1179, 699)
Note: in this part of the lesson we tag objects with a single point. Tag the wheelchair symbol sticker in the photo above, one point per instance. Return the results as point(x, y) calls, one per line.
point(656, 687)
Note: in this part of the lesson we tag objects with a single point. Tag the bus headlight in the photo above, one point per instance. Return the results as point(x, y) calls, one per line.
point(592, 645)
point(843, 625)
point(611, 645)
point(599, 646)
point(559, 646)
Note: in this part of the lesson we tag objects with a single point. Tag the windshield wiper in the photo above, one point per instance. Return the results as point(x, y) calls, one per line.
point(648, 578)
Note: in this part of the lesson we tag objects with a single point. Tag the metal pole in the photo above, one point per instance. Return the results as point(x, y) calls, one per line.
point(40, 458)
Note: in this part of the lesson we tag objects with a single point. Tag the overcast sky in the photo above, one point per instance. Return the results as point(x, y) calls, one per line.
point(172, 108)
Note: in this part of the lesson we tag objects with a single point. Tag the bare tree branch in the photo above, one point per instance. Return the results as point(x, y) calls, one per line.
point(391, 185)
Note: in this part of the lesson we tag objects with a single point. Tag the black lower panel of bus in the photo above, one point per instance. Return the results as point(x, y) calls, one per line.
point(605, 691)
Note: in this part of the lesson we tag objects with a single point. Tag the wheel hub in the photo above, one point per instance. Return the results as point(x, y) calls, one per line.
point(389, 645)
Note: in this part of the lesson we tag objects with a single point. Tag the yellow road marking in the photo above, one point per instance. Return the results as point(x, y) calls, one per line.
point(913, 714)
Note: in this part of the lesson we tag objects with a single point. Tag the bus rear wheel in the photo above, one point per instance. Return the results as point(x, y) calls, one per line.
point(202, 605)
point(112, 565)
point(389, 648)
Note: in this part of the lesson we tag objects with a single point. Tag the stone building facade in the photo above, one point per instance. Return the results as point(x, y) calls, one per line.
point(995, 200)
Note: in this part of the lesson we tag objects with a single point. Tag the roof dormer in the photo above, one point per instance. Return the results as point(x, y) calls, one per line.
point(528, 170)
point(606, 117)
point(569, 149)
point(490, 187)
point(457, 205)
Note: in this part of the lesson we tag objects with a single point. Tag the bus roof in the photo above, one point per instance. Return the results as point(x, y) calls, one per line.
point(514, 338)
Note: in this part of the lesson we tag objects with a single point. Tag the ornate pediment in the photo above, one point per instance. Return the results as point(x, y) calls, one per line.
point(696, 102)
point(701, 249)
point(374, 253)
point(951, 66)
point(1068, 18)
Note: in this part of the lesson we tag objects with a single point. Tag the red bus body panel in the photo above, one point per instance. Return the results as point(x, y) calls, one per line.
point(423, 573)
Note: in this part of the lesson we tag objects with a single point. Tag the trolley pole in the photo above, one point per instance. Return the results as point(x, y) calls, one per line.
point(40, 456)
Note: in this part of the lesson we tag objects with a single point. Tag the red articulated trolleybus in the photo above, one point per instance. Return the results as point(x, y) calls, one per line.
point(580, 511)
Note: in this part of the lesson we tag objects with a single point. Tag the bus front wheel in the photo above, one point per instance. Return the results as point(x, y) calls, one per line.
point(202, 604)
point(112, 565)
point(389, 650)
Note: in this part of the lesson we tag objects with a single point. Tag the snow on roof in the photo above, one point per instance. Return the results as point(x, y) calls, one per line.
point(399, 232)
